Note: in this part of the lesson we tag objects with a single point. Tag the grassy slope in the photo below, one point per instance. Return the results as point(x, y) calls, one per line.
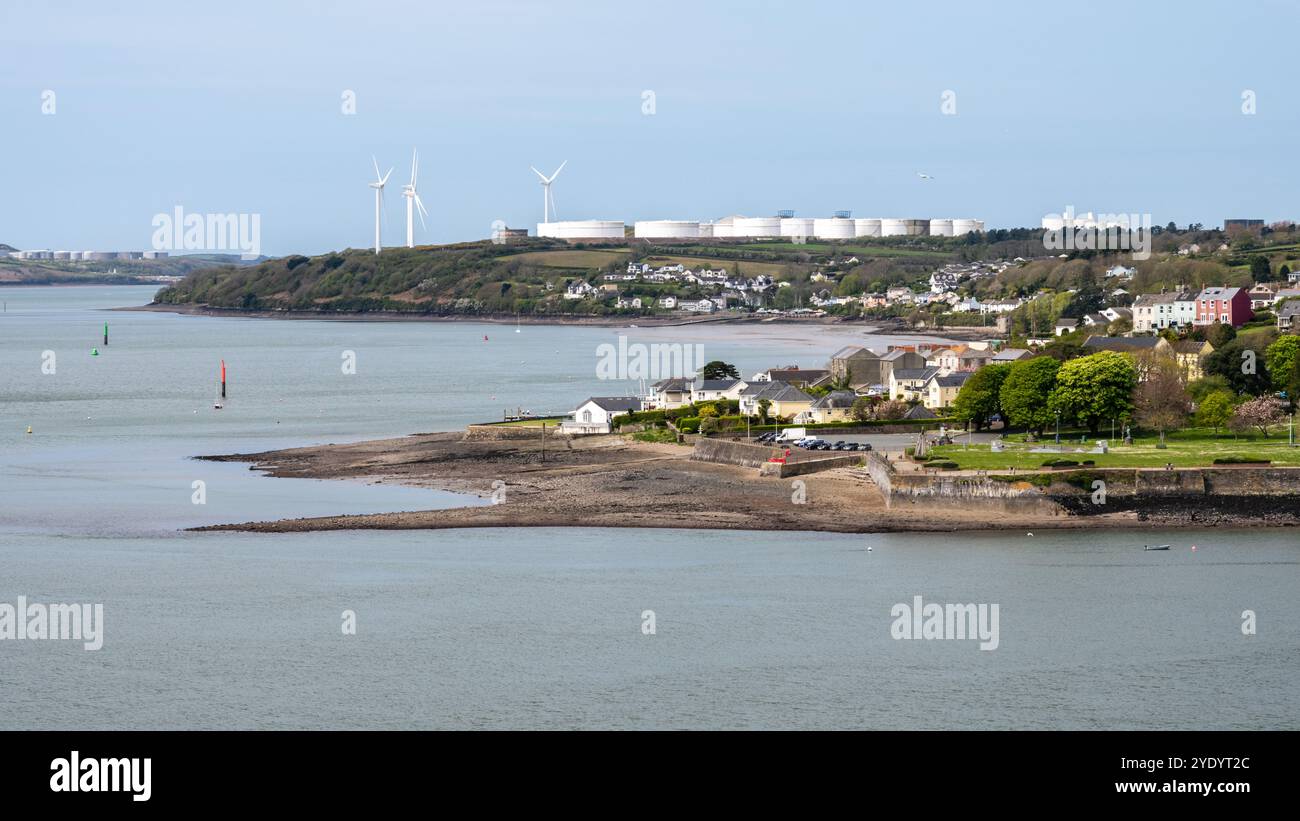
point(1187, 448)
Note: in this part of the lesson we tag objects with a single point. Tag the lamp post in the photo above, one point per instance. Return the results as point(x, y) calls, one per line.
point(1058, 427)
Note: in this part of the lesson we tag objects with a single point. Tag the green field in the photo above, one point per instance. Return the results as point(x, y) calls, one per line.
point(1188, 448)
point(550, 421)
point(572, 259)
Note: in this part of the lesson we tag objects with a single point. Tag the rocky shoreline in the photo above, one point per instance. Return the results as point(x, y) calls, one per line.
point(613, 481)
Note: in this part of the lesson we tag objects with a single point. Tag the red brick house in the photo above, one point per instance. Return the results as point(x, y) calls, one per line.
point(1230, 306)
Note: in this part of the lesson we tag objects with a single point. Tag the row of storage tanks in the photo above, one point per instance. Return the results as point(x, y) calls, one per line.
point(755, 227)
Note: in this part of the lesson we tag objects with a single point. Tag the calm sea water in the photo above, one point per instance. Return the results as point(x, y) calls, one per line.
point(539, 628)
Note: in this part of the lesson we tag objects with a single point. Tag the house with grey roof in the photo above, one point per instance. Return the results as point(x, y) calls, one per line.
point(596, 414)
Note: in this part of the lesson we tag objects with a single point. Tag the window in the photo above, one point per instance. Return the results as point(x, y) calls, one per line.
point(586, 416)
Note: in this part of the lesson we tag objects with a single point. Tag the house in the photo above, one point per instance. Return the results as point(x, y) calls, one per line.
point(1008, 355)
point(854, 365)
point(669, 302)
point(1230, 306)
point(1127, 344)
point(958, 358)
point(999, 306)
point(909, 383)
point(1114, 314)
point(836, 406)
point(697, 306)
point(580, 289)
point(1120, 271)
point(669, 393)
point(794, 375)
point(1095, 320)
point(596, 414)
point(707, 390)
point(1065, 325)
point(1155, 312)
point(941, 389)
point(919, 412)
point(1286, 316)
point(624, 302)
point(1191, 357)
point(782, 400)
point(1262, 295)
point(898, 358)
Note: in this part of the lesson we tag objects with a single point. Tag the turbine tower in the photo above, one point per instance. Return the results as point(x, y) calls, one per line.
point(413, 202)
point(548, 202)
point(378, 185)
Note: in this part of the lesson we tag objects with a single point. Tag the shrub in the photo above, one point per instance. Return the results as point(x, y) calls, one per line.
point(688, 424)
point(1060, 463)
point(942, 464)
point(1241, 460)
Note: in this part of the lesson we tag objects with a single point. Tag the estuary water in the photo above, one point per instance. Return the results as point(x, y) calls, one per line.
point(540, 628)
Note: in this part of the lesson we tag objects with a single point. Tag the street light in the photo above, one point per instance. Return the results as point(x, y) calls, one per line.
point(1058, 427)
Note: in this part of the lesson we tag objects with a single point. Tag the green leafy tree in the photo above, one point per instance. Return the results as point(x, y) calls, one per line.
point(1216, 409)
point(1091, 389)
point(862, 409)
point(1259, 268)
point(980, 398)
point(717, 369)
point(1281, 358)
point(1241, 364)
point(764, 407)
point(1024, 392)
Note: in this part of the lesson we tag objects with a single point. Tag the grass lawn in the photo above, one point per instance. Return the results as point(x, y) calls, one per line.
point(570, 259)
point(551, 421)
point(1187, 448)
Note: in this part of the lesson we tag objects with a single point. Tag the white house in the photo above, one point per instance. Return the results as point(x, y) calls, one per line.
point(705, 390)
point(595, 415)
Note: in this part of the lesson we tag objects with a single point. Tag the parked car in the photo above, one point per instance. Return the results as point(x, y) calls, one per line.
point(864, 446)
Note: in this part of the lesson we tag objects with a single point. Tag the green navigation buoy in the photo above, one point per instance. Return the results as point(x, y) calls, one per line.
point(94, 351)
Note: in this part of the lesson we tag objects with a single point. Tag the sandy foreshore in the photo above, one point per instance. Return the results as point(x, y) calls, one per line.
point(610, 481)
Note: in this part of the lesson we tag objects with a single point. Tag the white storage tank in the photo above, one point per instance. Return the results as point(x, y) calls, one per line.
point(866, 227)
point(941, 228)
point(582, 229)
point(797, 227)
point(893, 228)
point(965, 226)
point(756, 227)
point(725, 227)
point(834, 228)
point(706, 229)
point(666, 229)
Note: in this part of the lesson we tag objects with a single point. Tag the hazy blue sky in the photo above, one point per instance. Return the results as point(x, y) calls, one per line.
point(235, 107)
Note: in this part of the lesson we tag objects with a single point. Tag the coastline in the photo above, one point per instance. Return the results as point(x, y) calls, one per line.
point(614, 482)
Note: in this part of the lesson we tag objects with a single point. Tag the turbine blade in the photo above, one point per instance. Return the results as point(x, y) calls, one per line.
point(540, 175)
point(384, 181)
point(376, 162)
point(414, 166)
point(419, 209)
point(558, 170)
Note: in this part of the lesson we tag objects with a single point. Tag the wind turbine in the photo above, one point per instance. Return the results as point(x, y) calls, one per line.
point(378, 185)
point(413, 202)
point(548, 202)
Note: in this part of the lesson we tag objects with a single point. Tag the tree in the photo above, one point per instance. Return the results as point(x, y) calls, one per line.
point(891, 410)
point(1024, 392)
point(979, 398)
point(1216, 409)
point(1281, 358)
point(1092, 389)
point(708, 425)
point(1160, 400)
point(764, 405)
point(717, 369)
point(1260, 270)
point(1240, 365)
point(1219, 334)
point(1260, 413)
point(861, 410)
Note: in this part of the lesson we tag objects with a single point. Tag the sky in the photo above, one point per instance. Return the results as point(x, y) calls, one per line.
point(1015, 109)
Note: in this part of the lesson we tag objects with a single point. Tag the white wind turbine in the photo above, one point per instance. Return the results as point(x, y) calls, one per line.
point(413, 202)
point(378, 185)
point(548, 202)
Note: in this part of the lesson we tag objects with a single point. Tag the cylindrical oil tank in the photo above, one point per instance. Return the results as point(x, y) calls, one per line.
point(893, 228)
point(667, 229)
point(582, 229)
point(941, 228)
point(866, 227)
point(757, 227)
point(797, 227)
point(965, 226)
point(834, 228)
